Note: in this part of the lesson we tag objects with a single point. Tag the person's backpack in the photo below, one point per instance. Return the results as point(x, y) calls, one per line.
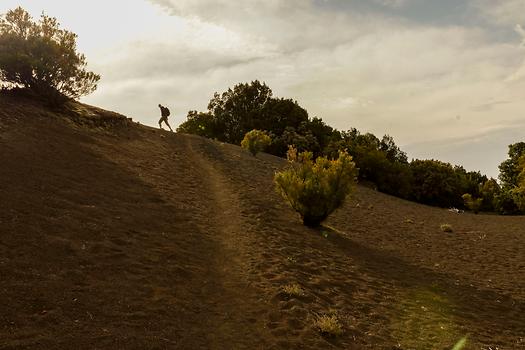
point(165, 112)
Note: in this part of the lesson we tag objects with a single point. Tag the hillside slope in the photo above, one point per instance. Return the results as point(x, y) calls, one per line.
point(119, 236)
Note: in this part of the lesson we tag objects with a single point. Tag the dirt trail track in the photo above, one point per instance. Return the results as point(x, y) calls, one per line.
point(125, 237)
point(223, 291)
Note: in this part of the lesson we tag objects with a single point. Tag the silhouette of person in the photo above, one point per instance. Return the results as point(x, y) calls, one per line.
point(164, 114)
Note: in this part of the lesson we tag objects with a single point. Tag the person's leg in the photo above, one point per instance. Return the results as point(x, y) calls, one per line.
point(168, 124)
point(160, 122)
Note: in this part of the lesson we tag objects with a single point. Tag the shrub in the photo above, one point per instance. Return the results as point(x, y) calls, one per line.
point(446, 228)
point(42, 57)
point(255, 141)
point(472, 203)
point(328, 325)
point(316, 188)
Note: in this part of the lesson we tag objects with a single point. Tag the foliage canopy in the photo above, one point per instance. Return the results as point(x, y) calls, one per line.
point(41, 57)
point(472, 203)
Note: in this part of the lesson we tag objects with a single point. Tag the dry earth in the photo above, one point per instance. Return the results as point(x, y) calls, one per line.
point(119, 236)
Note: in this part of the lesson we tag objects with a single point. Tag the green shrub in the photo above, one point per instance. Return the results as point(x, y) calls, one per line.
point(472, 203)
point(255, 141)
point(316, 188)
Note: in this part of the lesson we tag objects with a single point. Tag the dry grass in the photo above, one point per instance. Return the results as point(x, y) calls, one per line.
point(328, 325)
point(293, 289)
point(446, 228)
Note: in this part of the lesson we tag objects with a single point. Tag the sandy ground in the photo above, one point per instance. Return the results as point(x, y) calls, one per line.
point(118, 236)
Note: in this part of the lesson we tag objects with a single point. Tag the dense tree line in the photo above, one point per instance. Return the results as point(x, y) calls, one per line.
point(381, 163)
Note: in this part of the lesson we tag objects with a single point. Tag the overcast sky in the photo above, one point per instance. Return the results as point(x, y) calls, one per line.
point(445, 78)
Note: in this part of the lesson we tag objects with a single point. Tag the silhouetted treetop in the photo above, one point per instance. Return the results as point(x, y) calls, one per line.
point(41, 57)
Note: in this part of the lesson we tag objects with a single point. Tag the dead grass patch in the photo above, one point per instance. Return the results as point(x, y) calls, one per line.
point(293, 289)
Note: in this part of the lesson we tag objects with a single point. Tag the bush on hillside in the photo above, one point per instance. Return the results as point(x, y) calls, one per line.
point(256, 141)
point(316, 188)
point(472, 203)
point(42, 58)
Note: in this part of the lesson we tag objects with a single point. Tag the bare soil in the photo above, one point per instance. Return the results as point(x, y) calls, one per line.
point(119, 236)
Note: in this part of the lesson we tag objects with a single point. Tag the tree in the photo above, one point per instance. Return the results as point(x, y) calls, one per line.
point(511, 200)
point(472, 203)
point(436, 183)
point(291, 137)
point(509, 169)
point(41, 57)
point(322, 133)
point(198, 123)
point(380, 162)
point(392, 151)
point(505, 203)
point(316, 188)
point(489, 191)
point(518, 193)
point(239, 110)
point(251, 106)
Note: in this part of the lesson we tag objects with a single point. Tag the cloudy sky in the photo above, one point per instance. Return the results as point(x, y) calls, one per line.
point(445, 78)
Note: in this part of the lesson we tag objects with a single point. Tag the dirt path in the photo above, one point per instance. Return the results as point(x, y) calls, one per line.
point(230, 294)
point(223, 294)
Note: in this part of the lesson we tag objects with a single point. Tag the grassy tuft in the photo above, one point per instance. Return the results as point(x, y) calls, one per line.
point(328, 325)
point(293, 289)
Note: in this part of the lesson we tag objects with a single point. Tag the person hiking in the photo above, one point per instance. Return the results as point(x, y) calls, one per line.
point(164, 114)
